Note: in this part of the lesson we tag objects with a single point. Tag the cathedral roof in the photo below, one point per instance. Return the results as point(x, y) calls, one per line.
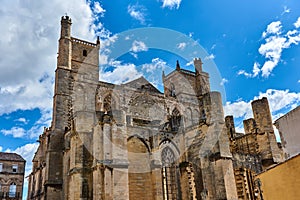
point(142, 84)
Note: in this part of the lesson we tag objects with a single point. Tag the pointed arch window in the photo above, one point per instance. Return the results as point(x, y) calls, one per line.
point(175, 119)
point(108, 103)
point(169, 175)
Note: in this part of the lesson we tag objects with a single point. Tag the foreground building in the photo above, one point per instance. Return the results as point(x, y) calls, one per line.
point(281, 181)
point(288, 126)
point(12, 169)
point(131, 141)
point(254, 151)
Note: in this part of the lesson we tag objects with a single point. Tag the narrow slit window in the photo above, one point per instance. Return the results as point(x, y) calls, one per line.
point(84, 53)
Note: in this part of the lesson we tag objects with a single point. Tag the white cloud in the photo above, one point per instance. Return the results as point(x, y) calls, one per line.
point(137, 12)
point(239, 128)
point(105, 51)
point(16, 132)
point(268, 67)
point(98, 8)
point(298, 81)
point(210, 57)
point(121, 73)
point(181, 45)
point(256, 69)
point(26, 96)
point(275, 42)
point(22, 119)
point(38, 127)
point(238, 109)
point(293, 38)
point(171, 4)
point(286, 10)
point(1, 148)
point(297, 23)
point(273, 28)
point(224, 80)
point(273, 47)
point(156, 64)
point(34, 131)
point(243, 72)
point(190, 63)
point(154, 71)
point(138, 46)
point(32, 32)
point(278, 100)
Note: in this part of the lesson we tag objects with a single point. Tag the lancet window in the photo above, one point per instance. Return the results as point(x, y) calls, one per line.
point(175, 120)
point(108, 103)
point(169, 175)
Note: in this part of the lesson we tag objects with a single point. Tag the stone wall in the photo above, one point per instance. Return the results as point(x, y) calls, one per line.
point(289, 126)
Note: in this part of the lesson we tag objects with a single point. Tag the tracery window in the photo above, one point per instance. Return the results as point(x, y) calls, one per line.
point(169, 176)
point(175, 120)
point(108, 103)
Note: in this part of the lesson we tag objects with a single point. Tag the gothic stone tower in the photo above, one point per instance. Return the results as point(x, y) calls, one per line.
point(254, 151)
point(131, 141)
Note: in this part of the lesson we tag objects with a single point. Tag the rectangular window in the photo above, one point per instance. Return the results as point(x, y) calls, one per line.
point(15, 168)
point(1, 167)
point(12, 190)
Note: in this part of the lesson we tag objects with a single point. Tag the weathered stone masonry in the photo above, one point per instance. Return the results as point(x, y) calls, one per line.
point(131, 141)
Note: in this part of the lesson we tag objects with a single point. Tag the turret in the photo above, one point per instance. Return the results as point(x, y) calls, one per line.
point(230, 127)
point(262, 115)
point(65, 44)
point(202, 78)
point(198, 65)
point(66, 23)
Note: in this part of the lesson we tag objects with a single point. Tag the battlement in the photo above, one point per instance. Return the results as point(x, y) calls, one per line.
point(66, 18)
point(198, 65)
point(79, 41)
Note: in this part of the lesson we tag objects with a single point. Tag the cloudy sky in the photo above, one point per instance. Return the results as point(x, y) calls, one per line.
point(250, 48)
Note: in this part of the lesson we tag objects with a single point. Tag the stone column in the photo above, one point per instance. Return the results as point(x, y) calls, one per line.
point(119, 163)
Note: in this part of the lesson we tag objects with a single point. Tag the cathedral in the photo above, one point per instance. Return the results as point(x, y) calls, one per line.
point(131, 141)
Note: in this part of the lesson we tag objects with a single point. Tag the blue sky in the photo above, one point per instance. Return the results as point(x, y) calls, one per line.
point(252, 45)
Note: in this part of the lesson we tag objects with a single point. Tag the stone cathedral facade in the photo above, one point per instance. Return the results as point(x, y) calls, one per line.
point(131, 141)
